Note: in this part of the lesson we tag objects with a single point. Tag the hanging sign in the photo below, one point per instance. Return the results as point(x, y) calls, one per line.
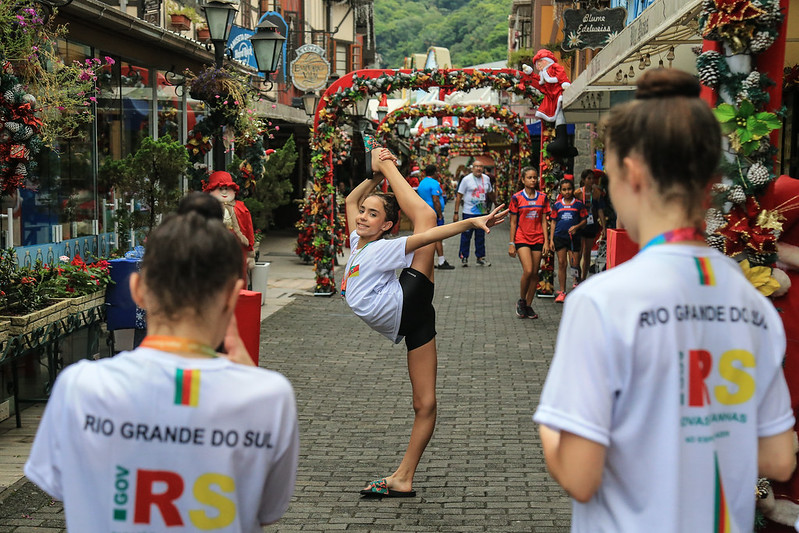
point(310, 70)
point(591, 28)
point(240, 46)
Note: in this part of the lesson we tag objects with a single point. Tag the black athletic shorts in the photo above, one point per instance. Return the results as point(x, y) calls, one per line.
point(534, 247)
point(572, 244)
point(589, 232)
point(418, 323)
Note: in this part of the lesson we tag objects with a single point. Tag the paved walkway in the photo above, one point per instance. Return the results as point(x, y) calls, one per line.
point(483, 470)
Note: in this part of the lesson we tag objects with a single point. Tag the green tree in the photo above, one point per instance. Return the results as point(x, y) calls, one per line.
point(274, 188)
point(150, 179)
point(475, 31)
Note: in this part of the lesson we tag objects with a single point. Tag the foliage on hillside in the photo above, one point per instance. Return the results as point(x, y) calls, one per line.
point(475, 31)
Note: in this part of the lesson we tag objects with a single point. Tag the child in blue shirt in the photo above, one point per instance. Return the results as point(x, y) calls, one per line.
point(570, 217)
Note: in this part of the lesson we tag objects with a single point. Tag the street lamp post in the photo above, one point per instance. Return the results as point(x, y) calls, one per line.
point(219, 16)
point(267, 45)
point(309, 101)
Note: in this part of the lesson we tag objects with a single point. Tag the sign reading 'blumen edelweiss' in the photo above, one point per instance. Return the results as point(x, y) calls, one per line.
point(591, 28)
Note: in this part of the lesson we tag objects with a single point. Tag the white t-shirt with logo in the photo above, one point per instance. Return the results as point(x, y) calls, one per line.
point(672, 361)
point(370, 285)
point(151, 441)
point(474, 191)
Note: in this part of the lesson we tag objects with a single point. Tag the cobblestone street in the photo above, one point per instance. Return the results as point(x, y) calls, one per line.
point(483, 469)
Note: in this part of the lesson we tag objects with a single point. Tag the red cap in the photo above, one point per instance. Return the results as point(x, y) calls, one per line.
point(569, 177)
point(220, 178)
point(543, 54)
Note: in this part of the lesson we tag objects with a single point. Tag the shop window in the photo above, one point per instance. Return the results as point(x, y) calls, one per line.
point(246, 13)
point(61, 191)
point(356, 57)
point(339, 57)
point(170, 109)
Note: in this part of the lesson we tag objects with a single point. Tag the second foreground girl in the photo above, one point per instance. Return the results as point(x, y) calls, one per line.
point(400, 307)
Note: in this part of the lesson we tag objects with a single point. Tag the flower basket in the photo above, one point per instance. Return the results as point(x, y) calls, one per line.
point(203, 35)
point(21, 324)
point(87, 301)
point(180, 22)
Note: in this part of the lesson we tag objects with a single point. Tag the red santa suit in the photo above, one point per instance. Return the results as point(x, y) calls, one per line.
point(551, 81)
point(237, 217)
point(783, 195)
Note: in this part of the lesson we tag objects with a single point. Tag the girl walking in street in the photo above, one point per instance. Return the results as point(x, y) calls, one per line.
point(663, 371)
point(399, 307)
point(568, 216)
point(592, 198)
point(529, 237)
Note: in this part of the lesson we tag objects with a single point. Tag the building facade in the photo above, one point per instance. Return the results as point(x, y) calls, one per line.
point(65, 206)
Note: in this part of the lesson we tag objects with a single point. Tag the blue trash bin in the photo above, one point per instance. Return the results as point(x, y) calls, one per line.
point(121, 311)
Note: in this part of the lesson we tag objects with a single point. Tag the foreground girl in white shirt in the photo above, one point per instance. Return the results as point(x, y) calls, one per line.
point(660, 415)
point(399, 308)
point(173, 436)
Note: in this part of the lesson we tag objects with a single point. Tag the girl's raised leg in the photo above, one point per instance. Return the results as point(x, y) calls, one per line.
point(422, 215)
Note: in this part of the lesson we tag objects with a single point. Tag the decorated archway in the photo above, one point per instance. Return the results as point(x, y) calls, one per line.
point(515, 131)
point(321, 234)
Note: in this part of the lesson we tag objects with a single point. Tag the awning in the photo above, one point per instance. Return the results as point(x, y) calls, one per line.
point(666, 31)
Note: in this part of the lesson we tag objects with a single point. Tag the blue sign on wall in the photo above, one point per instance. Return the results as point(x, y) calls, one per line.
point(241, 47)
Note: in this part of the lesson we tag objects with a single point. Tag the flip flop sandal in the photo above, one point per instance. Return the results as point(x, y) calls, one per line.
point(379, 489)
point(369, 144)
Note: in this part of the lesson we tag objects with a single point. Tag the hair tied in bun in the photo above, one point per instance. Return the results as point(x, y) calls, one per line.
point(666, 83)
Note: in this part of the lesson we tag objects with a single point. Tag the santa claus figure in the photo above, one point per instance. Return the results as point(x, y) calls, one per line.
point(551, 81)
point(237, 217)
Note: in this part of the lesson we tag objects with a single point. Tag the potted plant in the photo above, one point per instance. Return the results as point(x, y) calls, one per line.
point(203, 33)
point(182, 16)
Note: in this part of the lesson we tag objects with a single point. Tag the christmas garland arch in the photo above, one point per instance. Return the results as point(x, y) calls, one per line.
point(321, 234)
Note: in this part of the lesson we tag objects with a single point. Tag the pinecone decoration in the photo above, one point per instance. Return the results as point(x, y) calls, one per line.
point(716, 241)
point(752, 80)
point(760, 259)
point(708, 67)
point(8, 96)
point(21, 170)
point(714, 220)
point(741, 96)
point(758, 175)
point(773, 15)
point(736, 195)
point(761, 42)
point(13, 127)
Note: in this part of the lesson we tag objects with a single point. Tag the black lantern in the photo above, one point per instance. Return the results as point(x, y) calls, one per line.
point(220, 16)
point(361, 107)
point(267, 45)
point(403, 128)
point(309, 102)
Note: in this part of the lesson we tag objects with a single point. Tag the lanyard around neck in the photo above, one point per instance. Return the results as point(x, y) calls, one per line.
point(168, 343)
point(676, 235)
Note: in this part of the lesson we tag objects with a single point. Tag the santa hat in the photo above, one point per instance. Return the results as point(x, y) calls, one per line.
point(218, 179)
point(415, 171)
point(544, 54)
